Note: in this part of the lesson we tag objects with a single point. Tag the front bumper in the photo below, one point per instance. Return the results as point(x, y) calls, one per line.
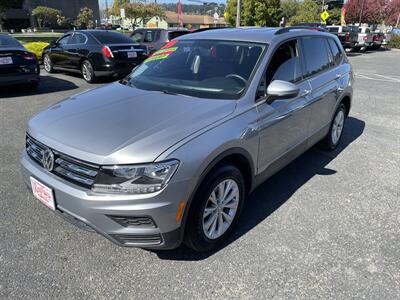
point(100, 212)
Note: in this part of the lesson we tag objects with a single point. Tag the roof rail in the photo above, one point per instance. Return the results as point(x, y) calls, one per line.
point(287, 29)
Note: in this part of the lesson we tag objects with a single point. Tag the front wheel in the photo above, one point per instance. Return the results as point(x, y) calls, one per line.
point(88, 72)
point(332, 139)
point(48, 64)
point(215, 209)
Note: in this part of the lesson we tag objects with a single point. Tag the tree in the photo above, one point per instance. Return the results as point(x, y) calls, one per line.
point(309, 11)
point(45, 15)
point(370, 11)
point(248, 16)
point(63, 21)
point(289, 8)
point(393, 12)
point(85, 18)
point(115, 10)
point(138, 12)
point(230, 12)
point(268, 12)
point(335, 15)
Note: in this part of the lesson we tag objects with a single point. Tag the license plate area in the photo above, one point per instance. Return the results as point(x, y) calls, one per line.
point(132, 54)
point(43, 193)
point(7, 60)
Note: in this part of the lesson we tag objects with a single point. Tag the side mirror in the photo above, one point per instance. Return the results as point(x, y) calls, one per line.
point(279, 89)
point(54, 43)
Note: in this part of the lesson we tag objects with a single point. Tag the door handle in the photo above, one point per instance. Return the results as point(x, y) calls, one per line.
point(306, 92)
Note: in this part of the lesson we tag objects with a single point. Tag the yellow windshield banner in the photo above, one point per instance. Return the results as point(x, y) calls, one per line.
point(161, 54)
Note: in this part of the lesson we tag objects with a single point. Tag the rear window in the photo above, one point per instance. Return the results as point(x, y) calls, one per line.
point(333, 29)
point(316, 55)
point(6, 40)
point(109, 37)
point(175, 34)
point(150, 36)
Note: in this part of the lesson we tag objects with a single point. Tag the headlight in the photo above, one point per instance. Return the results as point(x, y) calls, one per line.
point(135, 179)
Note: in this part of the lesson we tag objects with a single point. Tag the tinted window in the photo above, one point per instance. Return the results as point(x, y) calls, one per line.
point(175, 34)
point(149, 36)
point(6, 40)
point(109, 37)
point(137, 36)
point(333, 29)
point(201, 68)
point(336, 53)
point(77, 38)
point(315, 55)
point(64, 40)
point(285, 64)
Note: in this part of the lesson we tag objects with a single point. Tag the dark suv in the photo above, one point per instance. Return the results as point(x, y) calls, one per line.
point(155, 38)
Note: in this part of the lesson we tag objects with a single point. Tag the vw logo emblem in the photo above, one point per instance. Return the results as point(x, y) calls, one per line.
point(48, 160)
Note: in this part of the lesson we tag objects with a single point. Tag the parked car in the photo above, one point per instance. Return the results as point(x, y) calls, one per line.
point(386, 38)
point(94, 54)
point(17, 64)
point(169, 153)
point(348, 37)
point(377, 40)
point(365, 38)
point(155, 38)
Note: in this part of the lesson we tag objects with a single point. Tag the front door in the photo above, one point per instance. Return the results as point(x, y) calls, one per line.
point(283, 124)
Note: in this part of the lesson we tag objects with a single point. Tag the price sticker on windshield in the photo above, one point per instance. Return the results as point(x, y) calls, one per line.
point(161, 54)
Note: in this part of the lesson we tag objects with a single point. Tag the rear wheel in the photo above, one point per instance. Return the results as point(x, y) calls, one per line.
point(215, 209)
point(332, 139)
point(88, 72)
point(48, 64)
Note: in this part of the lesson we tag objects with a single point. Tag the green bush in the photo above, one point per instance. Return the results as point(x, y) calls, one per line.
point(395, 41)
point(37, 48)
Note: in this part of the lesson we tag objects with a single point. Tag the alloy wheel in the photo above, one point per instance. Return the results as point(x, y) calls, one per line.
point(47, 63)
point(337, 127)
point(86, 72)
point(220, 209)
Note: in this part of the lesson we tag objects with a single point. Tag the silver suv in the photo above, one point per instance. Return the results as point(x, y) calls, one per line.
point(170, 153)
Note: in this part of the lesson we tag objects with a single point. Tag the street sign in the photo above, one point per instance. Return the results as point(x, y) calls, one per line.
point(324, 15)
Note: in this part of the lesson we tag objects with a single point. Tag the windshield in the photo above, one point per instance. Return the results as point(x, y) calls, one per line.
point(6, 40)
point(200, 68)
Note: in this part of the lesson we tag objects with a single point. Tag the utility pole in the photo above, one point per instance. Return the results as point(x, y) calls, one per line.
point(238, 14)
point(361, 12)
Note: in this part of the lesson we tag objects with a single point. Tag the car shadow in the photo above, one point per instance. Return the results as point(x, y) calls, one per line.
point(47, 85)
point(273, 193)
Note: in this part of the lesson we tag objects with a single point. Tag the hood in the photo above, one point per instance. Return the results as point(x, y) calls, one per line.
point(117, 124)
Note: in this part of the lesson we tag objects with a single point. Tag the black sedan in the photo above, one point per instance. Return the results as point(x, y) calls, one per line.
point(94, 53)
point(17, 65)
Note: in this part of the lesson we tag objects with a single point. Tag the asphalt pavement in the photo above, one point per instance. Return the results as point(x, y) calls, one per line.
point(327, 226)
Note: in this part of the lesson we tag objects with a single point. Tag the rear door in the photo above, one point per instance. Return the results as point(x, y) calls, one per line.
point(322, 77)
point(283, 124)
point(58, 53)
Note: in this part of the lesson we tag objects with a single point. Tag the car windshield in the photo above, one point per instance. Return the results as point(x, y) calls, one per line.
point(6, 40)
point(200, 68)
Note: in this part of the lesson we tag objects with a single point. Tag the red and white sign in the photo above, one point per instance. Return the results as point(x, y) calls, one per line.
point(43, 193)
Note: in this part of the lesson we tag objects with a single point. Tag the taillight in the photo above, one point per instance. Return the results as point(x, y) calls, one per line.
point(28, 56)
point(365, 38)
point(107, 52)
point(347, 36)
point(151, 46)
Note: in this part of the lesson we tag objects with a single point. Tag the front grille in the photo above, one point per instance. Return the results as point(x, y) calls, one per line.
point(143, 222)
point(69, 168)
point(138, 239)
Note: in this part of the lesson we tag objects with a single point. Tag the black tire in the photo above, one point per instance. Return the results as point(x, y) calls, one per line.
point(195, 236)
point(88, 72)
point(48, 64)
point(329, 143)
point(356, 49)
